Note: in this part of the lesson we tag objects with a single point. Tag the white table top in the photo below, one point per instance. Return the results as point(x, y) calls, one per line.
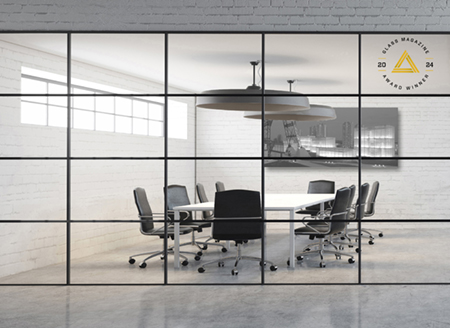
point(273, 202)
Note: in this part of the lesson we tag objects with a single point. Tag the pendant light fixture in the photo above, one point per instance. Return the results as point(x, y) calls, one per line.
point(315, 113)
point(249, 99)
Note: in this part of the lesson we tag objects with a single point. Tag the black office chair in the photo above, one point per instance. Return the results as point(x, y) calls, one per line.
point(318, 187)
point(358, 215)
point(148, 228)
point(220, 186)
point(237, 217)
point(207, 215)
point(370, 211)
point(177, 196)
point(331, 224)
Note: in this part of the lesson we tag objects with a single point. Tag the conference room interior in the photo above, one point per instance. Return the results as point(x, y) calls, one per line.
point(71, 189)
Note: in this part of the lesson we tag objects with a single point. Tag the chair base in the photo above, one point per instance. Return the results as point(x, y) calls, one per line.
point(237, 259)
point(170, 251)
point(321, 251)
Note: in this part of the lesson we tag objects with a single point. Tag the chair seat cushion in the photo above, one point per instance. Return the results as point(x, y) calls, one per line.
point(170, 231)
point(311, 230)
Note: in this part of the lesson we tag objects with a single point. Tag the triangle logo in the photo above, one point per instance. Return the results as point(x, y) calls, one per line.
point(412, 67)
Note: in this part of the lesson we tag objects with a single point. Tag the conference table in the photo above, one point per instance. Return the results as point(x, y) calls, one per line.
point(273, 202)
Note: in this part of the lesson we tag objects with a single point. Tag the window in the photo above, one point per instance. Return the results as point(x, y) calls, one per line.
point(119, 114)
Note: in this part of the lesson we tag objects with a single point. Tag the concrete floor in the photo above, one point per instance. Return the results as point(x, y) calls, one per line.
point(402, 256)
point(226, 306)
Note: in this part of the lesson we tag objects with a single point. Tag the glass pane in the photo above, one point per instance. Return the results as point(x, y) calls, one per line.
point(140, 109)
point(23, 130)
point(104, 104)
point(102, 190)
point(57, 88)
point(123, 106)
point(199, 62)
point(32, 113)
point(117, 136)
point(104, 122)
point(317, 63)
point(227, 133)
point(83, 119)
point(33, 190)
point(57, 116)
point(83, 103)
point(33, 253)
point(140, 126)
point(235, 175)
point(181, 127)
point(58, 101)
point(292, 187)
point(314, 138)
point(41, 57)
point(405, 64)
point(119, 63)
point(156, 111)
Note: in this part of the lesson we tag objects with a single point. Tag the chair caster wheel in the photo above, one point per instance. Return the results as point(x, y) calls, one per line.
point(307, 249)
point(142, 265)
point(357, 250)
point(245, 242)
point(184, 263)
point(262, 264)
point(338, 257)
point(350, 246)
point(322, 265)
point(200, 253)
point(220, 264)
point(234, 272)
point(197, 258)
point(288, 262)
point(341, 248)
point(205, 247)
point(273, 268)
point(299, 258)
point(131, 261)
point(201, 270)
point(371, 242)
point(351, 260)
point(380, 234)
point(224, 250)
point(342, 238)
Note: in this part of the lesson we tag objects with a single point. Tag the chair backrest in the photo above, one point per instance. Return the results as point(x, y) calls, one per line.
point(363, 198)
point(203, 199)
point(177, 196)
point(220, 186)
point(339, 211)
point(231, 207)
point(321, 187)
point(350, 199)
point(144, 209)
point(370, 207)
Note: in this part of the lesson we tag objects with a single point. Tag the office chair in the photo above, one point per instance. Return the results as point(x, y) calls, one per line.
point(237, 217)
point(331, 224)
point(148, 228)
point(207, 215)
point(370, 211)
point(356, 215)
point(318, 187)
point(220, 186)
point(177, 196)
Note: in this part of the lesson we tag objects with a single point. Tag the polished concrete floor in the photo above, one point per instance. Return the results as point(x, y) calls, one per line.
point(225, 306)
point(403, 255)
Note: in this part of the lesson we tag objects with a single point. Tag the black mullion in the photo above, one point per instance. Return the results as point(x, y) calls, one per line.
point(166, 144)
point(263, 191)
point(358, 212)
point(68, 161)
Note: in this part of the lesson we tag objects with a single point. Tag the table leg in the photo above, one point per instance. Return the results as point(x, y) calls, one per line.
point(176, 247)
point(291, 240)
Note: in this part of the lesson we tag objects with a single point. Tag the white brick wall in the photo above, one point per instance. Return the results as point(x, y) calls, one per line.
point(226, 15)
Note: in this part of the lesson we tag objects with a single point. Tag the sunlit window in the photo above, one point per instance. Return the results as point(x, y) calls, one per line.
point(99, 112)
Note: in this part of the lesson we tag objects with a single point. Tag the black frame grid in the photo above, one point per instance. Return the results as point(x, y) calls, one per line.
point(166, 158)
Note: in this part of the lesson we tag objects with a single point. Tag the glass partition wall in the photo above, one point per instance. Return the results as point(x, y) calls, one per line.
point(104, 135)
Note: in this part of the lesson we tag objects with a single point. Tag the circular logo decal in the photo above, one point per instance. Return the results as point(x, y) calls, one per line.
point(405, 63)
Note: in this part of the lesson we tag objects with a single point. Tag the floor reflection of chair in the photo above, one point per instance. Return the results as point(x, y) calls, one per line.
point(148, 228)
point(237, 217)
point(330, 225)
